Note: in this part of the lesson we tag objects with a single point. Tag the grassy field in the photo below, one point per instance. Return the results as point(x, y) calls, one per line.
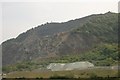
point(69, 74)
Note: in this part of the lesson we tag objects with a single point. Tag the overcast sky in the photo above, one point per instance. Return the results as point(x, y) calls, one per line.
point(17, 17)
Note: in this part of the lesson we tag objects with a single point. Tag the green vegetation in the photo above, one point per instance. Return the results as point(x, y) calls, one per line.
point(23, 66)
point(101, 55)
point(104, 27)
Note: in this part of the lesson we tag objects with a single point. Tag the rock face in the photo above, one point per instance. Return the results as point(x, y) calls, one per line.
point(70, 66)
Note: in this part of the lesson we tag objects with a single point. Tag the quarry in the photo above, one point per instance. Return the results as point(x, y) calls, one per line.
point(70, 66)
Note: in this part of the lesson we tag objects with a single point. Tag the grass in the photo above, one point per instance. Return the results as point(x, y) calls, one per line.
point(69, 74)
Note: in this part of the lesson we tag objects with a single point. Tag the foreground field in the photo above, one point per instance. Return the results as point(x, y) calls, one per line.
point(69, 74)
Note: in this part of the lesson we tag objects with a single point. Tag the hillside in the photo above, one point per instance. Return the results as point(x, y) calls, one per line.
point(58, 39)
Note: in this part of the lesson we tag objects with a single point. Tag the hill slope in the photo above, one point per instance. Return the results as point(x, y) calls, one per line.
point(57, 39)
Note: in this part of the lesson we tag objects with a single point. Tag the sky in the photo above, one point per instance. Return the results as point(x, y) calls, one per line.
point(18, 16)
